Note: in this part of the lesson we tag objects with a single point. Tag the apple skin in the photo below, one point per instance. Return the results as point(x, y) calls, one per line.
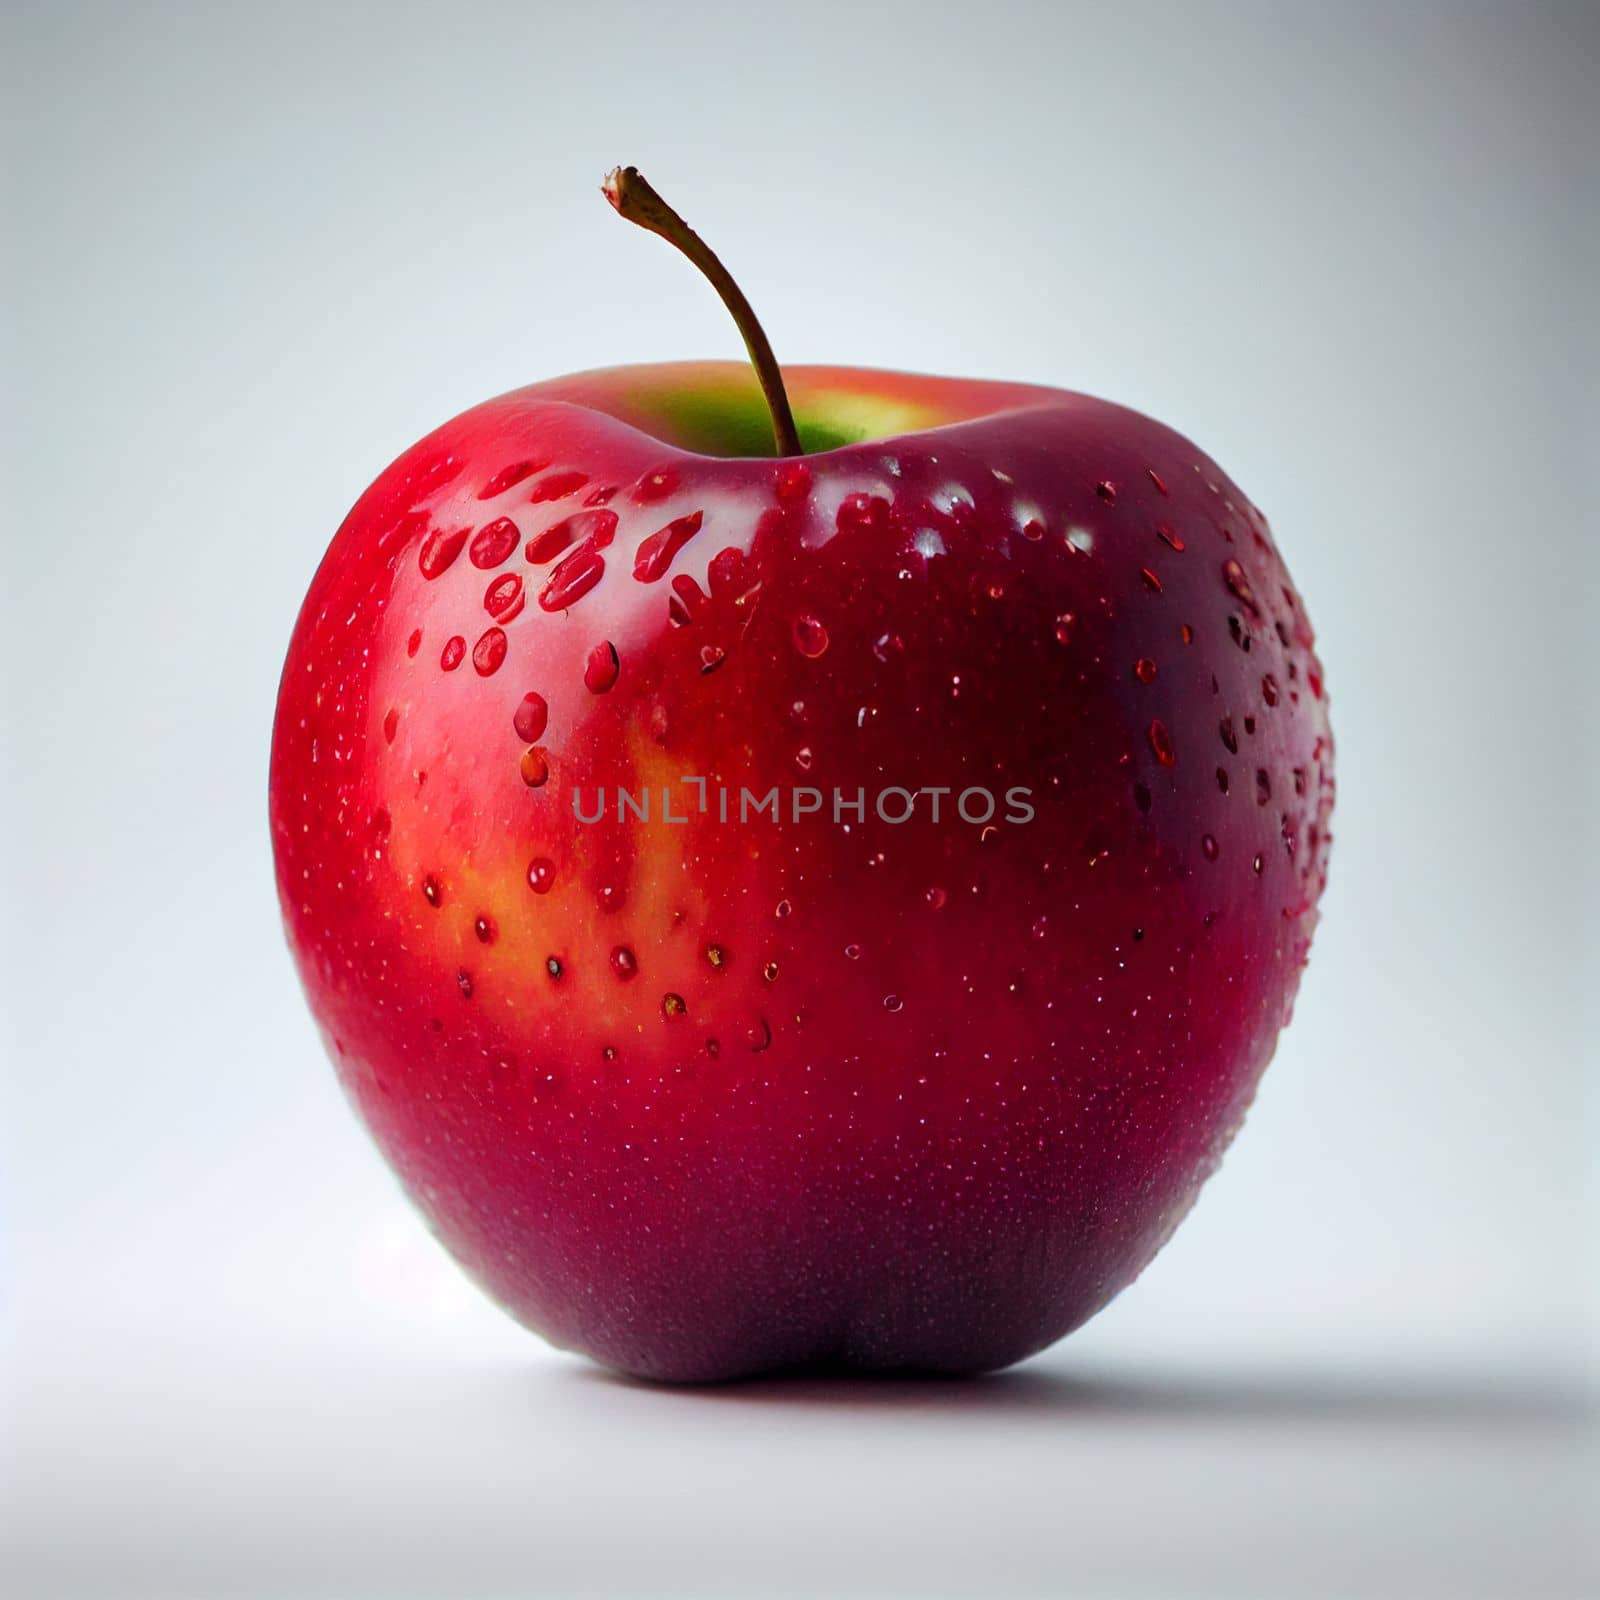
point(892, 1096)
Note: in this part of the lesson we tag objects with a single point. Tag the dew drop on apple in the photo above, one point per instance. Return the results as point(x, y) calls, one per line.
point(1208, 847)
point(503, 599)
point(852, 952)
point(454, 652)
point(673, 1007)
point(439, 549)
point(484, 929)
point(489, 652)
point(1144, 669)
point(508, 477)
point(893, 1002)
point(531, 718)
point(1161, 743)
point(535, 767)
point(792, 482)
point(541, 874)
point(624, 963)
point(936, 898)
point(391, 722)
point(432, 891)
point(601, 669)
point(1064, 627)
point(493, 543)
point(810, 636)
point(414, 643)
point(557, 486)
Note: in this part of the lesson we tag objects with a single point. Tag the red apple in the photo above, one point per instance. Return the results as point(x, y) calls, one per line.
point(706, 1097)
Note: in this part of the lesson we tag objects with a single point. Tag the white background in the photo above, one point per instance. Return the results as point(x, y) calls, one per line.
point(252, 252)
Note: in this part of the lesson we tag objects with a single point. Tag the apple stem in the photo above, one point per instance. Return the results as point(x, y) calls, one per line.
point(631, 196)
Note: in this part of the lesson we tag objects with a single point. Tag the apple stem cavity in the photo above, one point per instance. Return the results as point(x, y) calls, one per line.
point(631, 196)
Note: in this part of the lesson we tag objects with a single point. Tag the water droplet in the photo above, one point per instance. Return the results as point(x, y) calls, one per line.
point(493, 543)
point(711, 657)
point(391, 721)
point(601, 669)
point(1269, 689)
point(509, 477)
point(464, 983)
point(1064, 627)
point(484, 928)
point(608, 1053)
point(1151, 581)
point(1222, 779)
point(1233, 576)
point(792, 482)
point(893, 1002)
point(1161, 743)
point(455, 649)
point(1229, 737)
point(624, 963)
point(1106, 490)
point(503, 599)
point(433, 891)
point(888, 645)
point(573, 578)
point(439, 549)
point(862, 513)
point(489, 652)
point(597, 528)
point(1156, 479)
point(414, 643)
point(803, 758)
point(557, 486)
point(760, 1036)
point(1208, 847)
point(1186, 633)
point(610, 896)
point(673, 1007)
point(1256, 865)
point(541, 874)
point(655, 485)
point(535, 767)
point(657, 552)
point(531, 718)
point(784, 908)
point(1041, 928)
point(1144, 669)
point(552, 965)
point(1299, 780)
point(810, 637)
point(936, 898)
point(1168, 537)
point(1263, 786)
point(852, 952)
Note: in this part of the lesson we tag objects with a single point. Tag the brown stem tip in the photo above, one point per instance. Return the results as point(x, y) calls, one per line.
point(631, 196)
